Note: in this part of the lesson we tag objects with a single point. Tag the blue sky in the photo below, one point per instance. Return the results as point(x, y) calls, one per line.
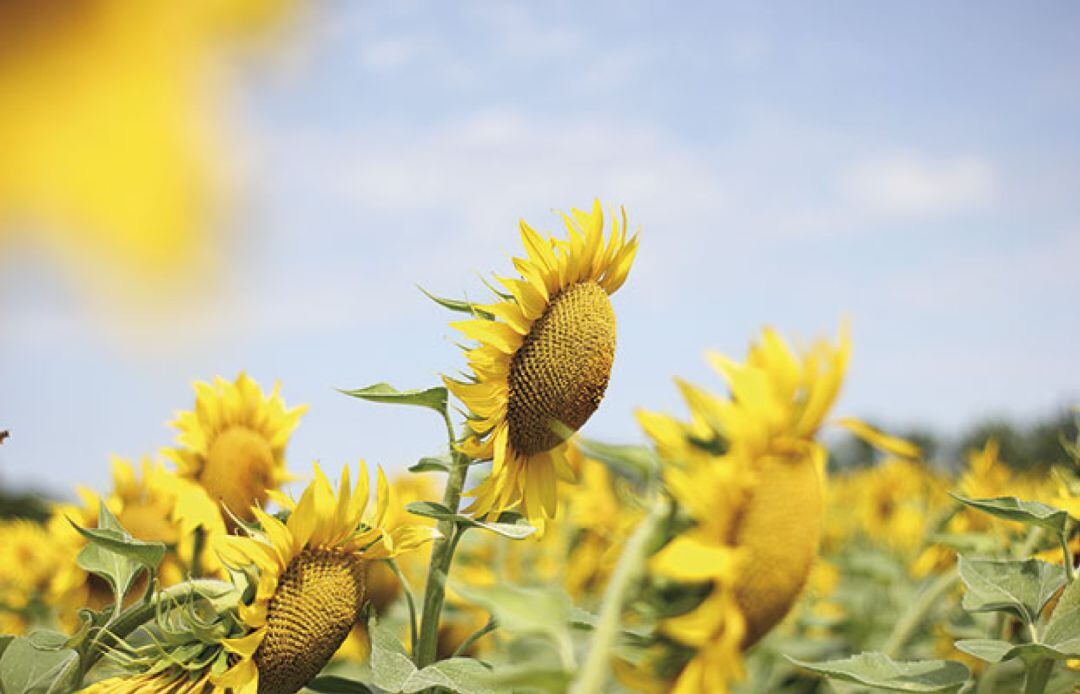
point(914, 166)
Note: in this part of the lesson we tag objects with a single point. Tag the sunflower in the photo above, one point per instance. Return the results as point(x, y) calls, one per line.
point(28, 561)
point(543, 361)
point(310, 581)
point(233, 443)
point(749, 473)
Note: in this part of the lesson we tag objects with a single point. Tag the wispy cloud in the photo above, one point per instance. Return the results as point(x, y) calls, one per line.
point(913, 183)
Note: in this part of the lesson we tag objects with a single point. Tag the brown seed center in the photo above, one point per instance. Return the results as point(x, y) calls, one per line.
point(559, 374)
point(316, 603)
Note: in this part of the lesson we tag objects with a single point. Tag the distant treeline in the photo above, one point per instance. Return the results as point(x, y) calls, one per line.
point(1031, 446)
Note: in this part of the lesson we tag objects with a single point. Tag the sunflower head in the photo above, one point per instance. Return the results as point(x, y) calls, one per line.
point(543, 361)
point(233, 443)
point(749, 473)
point(308, 573)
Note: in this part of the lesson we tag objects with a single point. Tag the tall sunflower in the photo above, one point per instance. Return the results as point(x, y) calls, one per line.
point(748, 471)
point(543, 361)
point(302, 586)
point(233, 442)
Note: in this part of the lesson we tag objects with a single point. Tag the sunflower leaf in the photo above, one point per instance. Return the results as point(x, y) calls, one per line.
point(27, 668)
point(432, 398)
point(459, 306)
point(1020, 587)
point(461, 675)
point(1011, 508)
point(524, 611)
point(332, 684)
point(636, 462)
point(511, 525)
point(441, 464)
point(390, 664)
point(112, 553)
point(880, 671)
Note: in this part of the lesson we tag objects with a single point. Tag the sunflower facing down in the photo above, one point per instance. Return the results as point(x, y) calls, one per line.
point(233, 443)
point(310, 581)
point(543, 361)
point(301, 585)
point(749, 472)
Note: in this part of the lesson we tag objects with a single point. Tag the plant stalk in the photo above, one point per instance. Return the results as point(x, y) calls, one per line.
point(1038, 674)
point(442, 554)
point(631, 564)
point(914, 617)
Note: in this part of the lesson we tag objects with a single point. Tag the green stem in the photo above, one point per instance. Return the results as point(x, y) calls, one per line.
point(475, 636)
point(1038, 674)
point(1066, 557)
point(408, 600)
point(442, 554)
point(631, 564)
point(136, 616)
point(915, 616)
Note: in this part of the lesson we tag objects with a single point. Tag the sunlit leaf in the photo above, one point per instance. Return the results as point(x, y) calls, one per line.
point(510, 525)
point(1030, 512)
point(880, 671)
point(456, 305)
point(433, 398)
point(431, 465)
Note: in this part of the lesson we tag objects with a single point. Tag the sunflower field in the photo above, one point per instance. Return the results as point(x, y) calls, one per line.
point(723, 556)
point(727, 547)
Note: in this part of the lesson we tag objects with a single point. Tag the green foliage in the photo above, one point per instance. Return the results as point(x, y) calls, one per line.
point(431, 398)
point(510, 524)
point(112, 553)
point(1020, 587)
point(394, 672)
point(881, 672)
point(459, 306)
point(1029, 512)
point(37, 664)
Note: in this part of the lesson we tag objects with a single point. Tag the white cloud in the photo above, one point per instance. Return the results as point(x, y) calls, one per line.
point(917, 184)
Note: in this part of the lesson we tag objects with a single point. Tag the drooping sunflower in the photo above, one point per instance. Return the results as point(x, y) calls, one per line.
point(543, 362)
point(301, 584)
point(233, 442)
point(749, 472)
point(310, 573)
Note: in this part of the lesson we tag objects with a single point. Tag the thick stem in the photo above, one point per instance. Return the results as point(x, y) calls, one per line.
point(915, 616)
point(631, 564)
point(442, 553)
point(1038, 674)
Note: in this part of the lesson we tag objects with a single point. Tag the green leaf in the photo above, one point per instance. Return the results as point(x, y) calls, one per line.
point(431, 465)
point(459, 306)
point(461, 675)
point(1069, 600)
point(511, 525)
point(1020, 587)
point(112, 553)
point(332, 684)
point(1060, 641)
point(433, 398)
point(28, 669)
point(531, 678)
point(880, 671)
point(524, 611)
point(5, 641)
point(1030, 512)
point(390, 665)
point(638, 462)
